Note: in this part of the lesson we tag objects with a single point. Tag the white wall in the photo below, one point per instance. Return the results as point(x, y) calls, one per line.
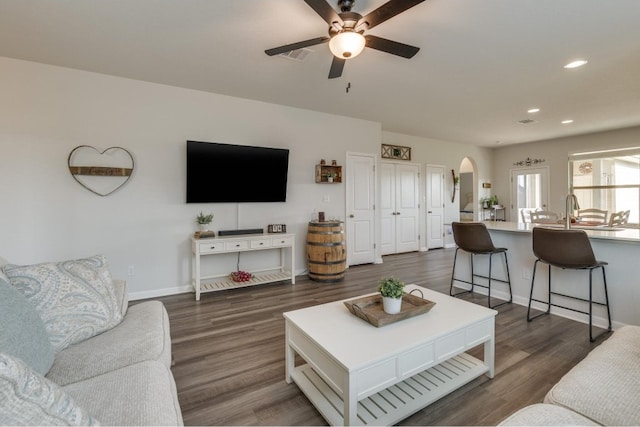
point(46, 111)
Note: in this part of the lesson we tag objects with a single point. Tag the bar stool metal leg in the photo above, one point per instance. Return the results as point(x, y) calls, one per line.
point(606, 298)
point(453, 274)
point(508, 281)
point(533, 280)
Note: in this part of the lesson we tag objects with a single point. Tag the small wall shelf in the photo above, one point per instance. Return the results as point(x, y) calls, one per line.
point(323, 171)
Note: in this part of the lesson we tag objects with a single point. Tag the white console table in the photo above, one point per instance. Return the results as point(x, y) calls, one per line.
point(241, 243)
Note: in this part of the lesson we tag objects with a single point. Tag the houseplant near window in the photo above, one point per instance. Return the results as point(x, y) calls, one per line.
point(489, 202)
point(204, 220)
point(391, 290)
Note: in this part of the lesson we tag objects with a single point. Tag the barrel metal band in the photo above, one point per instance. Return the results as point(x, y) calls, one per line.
point(327, 262)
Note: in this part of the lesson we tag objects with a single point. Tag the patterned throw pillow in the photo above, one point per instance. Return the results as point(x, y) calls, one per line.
point(22, 332)
point(29, 399)
point(75, 299)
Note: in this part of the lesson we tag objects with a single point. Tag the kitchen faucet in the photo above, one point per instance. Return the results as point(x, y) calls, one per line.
point(571, 203)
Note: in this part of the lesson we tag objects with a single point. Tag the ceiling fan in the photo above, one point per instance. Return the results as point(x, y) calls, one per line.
point(346, 32)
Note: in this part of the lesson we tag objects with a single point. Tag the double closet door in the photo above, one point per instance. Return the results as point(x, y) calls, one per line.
point(400, 207)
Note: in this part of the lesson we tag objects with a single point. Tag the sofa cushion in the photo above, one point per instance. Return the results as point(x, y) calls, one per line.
point(543, 414)
point(30, 399)
point(22, 332)
point(605, 385)
point(75, 299)
point(142, 335)
point(140, 394)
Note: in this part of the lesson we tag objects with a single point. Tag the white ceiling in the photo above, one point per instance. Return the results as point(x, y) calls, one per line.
point(482, 63)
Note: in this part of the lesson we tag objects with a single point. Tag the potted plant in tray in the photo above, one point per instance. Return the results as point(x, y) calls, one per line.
point(391, 290)
point(204, 220)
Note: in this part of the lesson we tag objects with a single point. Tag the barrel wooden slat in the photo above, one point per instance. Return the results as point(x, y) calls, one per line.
point(326, 251)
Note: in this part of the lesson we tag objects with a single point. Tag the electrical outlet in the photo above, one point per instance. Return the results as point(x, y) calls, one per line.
point(131, 271)
point(526, 274)
point(325, 199)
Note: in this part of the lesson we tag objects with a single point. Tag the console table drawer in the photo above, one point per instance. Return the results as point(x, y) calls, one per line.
point(209, 248)
point(235, 245)
point(260, 243)
point(282, 241)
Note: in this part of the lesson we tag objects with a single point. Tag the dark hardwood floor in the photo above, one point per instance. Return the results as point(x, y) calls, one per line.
point(229, 350)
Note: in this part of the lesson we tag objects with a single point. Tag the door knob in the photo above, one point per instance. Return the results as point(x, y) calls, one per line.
point(429, 212)
point(352, 216)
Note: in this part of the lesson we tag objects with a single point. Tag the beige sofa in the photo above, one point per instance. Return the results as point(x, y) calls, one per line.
point(603, 389)
point(120, 376)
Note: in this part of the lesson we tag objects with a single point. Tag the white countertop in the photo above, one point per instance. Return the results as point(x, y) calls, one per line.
point(629, 235)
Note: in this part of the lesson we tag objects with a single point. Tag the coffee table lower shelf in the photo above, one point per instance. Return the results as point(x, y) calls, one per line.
point(394, 403)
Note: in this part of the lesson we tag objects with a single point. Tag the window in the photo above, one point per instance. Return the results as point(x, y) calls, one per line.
point(608, 180)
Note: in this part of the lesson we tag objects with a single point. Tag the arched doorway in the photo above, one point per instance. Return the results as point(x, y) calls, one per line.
point(468, 190)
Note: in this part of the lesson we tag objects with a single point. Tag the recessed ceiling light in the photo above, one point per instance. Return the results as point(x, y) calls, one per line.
point(566, 122)
point(576, 64)
point(533, 110)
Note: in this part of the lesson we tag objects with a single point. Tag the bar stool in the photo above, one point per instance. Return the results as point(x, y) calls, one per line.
point(474, 238)
point(567, 249)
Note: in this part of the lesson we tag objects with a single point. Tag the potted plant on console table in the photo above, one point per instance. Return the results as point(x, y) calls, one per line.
point(204, 220)
point(391, 290)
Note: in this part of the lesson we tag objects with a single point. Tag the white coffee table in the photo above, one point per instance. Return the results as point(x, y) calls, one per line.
point(358, 374)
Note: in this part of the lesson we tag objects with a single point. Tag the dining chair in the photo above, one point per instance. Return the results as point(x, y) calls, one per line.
point(619, 218)
point(544, 216)
point(593, 215)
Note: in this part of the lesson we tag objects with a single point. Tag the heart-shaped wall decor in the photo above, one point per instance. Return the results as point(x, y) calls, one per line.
point(101, 172)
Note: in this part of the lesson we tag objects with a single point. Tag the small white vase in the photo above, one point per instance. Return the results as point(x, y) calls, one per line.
point(391, 305)
point(205, 227)
point(329, 179)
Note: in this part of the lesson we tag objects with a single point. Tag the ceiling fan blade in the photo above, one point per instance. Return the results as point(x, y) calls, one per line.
point(388, 11)
point(325, 11)
point(389, 46)
point(336, 67)
point(298, 45)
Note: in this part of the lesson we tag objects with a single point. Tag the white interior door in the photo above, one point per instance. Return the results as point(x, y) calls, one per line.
point(407, 207)
point(387, 207)
point(399, 207)
point(360, 204)
point(435, 206)
point(529, 190)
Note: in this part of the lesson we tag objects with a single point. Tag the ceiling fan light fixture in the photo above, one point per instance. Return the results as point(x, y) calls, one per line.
point(347, 44)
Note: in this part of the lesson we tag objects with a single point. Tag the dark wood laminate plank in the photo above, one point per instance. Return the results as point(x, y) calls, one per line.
point(229, 350)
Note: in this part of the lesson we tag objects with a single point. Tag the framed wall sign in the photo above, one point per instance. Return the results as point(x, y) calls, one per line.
point(397, 152)
point(276, 228)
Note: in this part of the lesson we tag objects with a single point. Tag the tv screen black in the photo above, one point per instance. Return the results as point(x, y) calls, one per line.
point(224, 173)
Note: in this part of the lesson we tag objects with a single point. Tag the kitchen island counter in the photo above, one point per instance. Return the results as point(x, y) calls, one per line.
point(621, 249)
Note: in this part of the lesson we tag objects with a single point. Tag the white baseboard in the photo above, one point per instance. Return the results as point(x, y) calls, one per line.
point(134, 296)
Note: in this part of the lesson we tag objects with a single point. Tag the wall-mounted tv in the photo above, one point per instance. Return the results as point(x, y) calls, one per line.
point(227, 173)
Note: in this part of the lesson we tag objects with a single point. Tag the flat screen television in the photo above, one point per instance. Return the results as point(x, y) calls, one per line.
point(227, 173)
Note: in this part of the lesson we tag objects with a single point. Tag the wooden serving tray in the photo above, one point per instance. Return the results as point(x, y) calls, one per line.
point(370, 309)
